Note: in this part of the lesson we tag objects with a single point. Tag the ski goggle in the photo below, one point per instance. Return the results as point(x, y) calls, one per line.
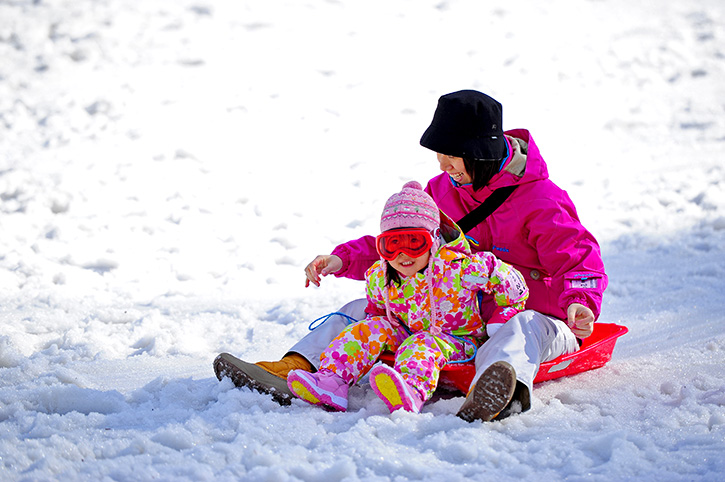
point(411, 241)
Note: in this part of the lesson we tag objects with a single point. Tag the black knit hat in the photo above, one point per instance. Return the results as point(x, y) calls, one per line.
point(467, 124)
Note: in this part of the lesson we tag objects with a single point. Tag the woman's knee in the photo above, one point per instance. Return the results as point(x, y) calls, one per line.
point(355, 309)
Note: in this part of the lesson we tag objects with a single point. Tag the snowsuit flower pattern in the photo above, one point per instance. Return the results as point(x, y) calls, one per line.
point(436, 317)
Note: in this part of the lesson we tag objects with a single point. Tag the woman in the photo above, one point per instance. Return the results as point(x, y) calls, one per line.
point(536, 229)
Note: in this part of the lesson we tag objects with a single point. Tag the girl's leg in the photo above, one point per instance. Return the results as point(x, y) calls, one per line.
point(318, 339)
point(352, 353)
point(271, 376)
point(418, 362)
point(421, 357)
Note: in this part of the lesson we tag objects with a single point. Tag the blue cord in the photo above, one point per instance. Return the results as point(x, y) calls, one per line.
point(475, 348)
point(324, 318)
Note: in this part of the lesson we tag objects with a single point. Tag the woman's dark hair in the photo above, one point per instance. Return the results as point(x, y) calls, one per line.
point(392, 277)
point(481, 171)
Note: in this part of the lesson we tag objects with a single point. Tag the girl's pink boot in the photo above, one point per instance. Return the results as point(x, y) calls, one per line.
point(324, 388)
point(392, 389)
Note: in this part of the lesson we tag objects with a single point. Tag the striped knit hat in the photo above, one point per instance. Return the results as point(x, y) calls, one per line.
point(410, 208)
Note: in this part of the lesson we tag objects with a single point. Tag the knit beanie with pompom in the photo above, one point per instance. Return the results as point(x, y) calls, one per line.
point(410, 208)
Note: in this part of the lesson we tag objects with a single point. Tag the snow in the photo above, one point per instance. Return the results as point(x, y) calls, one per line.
point(168, 168)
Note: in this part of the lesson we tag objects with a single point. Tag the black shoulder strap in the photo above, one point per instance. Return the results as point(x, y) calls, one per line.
point(484, 210)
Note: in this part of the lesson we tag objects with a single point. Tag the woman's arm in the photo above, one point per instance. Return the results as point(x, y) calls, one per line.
point(571, 255)
point(356, 256)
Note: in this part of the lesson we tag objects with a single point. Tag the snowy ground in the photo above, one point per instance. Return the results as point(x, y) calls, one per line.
point(167, 169)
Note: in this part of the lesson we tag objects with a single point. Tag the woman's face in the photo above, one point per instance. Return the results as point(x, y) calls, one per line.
point(407, 266)
point(455, 168)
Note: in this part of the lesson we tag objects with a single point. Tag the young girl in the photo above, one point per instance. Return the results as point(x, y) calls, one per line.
point(422, 304)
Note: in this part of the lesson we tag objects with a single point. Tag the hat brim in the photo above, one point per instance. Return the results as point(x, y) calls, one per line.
point(449, 143)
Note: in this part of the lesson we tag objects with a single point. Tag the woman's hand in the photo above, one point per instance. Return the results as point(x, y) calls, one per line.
point(580, 319)
point(322, 265)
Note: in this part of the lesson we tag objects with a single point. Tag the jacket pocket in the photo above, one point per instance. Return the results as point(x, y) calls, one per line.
point(582, 280)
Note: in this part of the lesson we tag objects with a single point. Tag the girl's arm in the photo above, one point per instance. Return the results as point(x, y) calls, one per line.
point(489, 274)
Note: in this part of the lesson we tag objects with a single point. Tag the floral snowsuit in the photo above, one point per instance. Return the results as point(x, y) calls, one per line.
point(424, 340)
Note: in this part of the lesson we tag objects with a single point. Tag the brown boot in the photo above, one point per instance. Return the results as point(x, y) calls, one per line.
point(288, 363)
point(258, 377)
point(491, 394)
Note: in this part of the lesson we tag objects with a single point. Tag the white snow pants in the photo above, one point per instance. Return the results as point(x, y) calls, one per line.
point(525, 341)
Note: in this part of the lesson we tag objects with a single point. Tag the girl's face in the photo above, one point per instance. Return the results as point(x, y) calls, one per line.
point(407, 266)
point(455, 168)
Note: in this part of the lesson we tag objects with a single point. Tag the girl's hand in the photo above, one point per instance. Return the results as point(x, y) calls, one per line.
point(322, 265)
point(580, 319)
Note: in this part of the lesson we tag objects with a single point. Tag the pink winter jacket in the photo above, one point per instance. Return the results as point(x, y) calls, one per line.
point(537, 230)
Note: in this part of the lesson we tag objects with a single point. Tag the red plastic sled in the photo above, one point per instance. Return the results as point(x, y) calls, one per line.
point(595, 352)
